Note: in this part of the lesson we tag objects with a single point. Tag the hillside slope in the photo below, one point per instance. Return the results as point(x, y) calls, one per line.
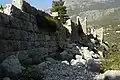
point(103, 13)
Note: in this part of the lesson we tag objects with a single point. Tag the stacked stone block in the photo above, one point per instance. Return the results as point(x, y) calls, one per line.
point(19, 33)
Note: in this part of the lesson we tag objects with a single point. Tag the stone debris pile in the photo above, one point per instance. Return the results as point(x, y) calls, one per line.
point(62, 71)
point(82, 56)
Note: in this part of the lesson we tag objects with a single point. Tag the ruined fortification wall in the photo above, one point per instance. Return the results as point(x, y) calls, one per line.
point(19, 34)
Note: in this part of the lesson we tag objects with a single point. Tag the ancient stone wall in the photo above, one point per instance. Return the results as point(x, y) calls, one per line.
point(19, 34)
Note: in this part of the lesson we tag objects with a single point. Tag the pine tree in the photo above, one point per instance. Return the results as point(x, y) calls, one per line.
point(58, 6)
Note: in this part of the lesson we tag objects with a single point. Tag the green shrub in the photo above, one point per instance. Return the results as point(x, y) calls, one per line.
point(50, 19)
point(111, 61)
point(46, 22)
point(52, 23)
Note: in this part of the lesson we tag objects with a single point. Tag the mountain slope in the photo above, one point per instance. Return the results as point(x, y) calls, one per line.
point(93, 9)
point(102, 13)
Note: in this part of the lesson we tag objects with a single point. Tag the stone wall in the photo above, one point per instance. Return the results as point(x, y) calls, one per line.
point(19, 34)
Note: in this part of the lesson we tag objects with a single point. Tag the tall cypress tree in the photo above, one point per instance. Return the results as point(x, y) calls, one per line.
point(58, 6)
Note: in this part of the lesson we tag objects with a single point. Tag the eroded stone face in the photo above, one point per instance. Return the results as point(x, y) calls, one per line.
point(18, 3)
point(7, 9)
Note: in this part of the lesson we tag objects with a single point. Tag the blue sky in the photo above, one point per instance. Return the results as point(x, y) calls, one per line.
point(37, 3)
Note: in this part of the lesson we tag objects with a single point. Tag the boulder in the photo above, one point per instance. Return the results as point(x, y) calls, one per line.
point(93, 65)
point(65, 62)
point(12, 65)
point(66, 56)
point(83, 61)
point(51, 60)
point(86, 53)
point(78, 57)
point(109, 75)
point(78, 60)
point(74, 62)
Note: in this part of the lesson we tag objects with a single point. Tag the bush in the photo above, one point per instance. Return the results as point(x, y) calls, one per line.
point(46, 23)
point(50, 19)
point(52, 23)
point(111, 61)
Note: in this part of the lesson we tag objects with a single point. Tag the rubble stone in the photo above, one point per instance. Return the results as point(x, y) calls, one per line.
point(93, 65)
point(12, 64)
point(66, 56)
point(86, 53)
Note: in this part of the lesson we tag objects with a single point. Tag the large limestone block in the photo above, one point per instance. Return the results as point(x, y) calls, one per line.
point(15, 22)
point(36, 29)
point(31, 36)
point(33, 19)
point(23, 45)
point(4, 20)
point(24, 35)
point(30, 27)
point(37, 44)
point(19, 14)
point(2, 46)
point(7, 45)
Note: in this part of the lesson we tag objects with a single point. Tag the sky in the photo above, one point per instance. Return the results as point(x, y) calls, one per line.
point(42, 4)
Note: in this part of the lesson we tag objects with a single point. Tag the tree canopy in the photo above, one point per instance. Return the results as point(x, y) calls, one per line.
point(58, 6)
point(1, 7)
